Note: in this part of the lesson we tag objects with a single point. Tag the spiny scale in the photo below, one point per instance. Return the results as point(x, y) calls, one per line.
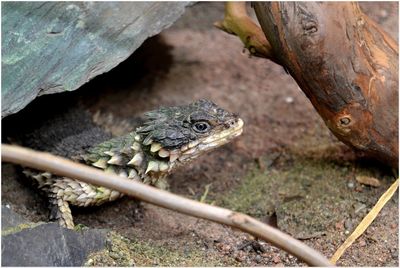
point(132, 174)
point(163, 153)
point(152, 166)
point(155, 147)
point(163, 166)
point(136, 160)
point(135, 146)
point(130, 163)
point(173, 156)
point(115, 160)
point(101, 163)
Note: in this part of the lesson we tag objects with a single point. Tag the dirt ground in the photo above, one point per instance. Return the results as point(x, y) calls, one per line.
point(286, 169)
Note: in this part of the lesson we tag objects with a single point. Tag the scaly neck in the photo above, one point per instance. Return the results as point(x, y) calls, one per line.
point(128, 157)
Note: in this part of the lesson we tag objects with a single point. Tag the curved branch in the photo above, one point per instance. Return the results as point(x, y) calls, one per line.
point(347, 67)
point(63, 167)
point(237, 22)
point(345, 64)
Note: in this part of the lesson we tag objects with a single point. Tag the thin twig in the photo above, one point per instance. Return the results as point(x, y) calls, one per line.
point(237, 22)
point(366, 221)
point(63, 167)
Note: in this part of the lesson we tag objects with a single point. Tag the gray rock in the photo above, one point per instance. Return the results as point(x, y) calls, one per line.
point(50, 245)
point(50, 47)
point(9, 218)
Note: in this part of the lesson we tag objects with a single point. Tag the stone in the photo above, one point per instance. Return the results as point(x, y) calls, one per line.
point(9, 218)
point(50, 47)
point(50, 245)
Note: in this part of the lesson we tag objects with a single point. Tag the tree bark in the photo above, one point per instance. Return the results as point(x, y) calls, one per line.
point(345, 64)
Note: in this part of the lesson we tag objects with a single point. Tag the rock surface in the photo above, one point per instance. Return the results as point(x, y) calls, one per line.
point(9, 218)
point(50, 245)
point(50, 47)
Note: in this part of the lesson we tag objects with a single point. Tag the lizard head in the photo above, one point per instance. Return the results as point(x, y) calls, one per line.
point(179, 134)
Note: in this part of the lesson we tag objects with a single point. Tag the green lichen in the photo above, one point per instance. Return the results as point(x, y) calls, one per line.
point(20, 227)
point(122, 251)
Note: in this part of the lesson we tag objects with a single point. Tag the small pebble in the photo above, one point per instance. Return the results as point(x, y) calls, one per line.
point(114, 255)
point(359, 189)
point(289, 100)
point(359, 208)
point(350, 184)
point(240, 257)
point(89, 262)
point(383, 13)
point(224, 248)
point(348, 224)
point(395, 254)
point(108, 243)
point(258, 258)
point(339, 226)
point(276, 259)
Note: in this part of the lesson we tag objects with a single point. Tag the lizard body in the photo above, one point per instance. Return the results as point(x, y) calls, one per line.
point(169, 138)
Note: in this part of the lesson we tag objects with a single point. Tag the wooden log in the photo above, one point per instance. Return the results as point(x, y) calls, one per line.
point(345, 64)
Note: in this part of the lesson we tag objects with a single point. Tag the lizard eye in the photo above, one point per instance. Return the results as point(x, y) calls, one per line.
point(201, 126)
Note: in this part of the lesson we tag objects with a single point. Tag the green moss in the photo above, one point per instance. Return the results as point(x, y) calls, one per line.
point(125, 252)
point(252, 196)
point(19, 228)
point(307, 194)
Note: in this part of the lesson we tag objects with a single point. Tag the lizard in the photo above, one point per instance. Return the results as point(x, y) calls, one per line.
point(168, 138)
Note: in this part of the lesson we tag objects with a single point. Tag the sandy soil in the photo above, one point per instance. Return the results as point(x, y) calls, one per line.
point(286, 169)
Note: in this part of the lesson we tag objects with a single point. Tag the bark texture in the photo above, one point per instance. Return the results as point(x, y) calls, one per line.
point(345, 64)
